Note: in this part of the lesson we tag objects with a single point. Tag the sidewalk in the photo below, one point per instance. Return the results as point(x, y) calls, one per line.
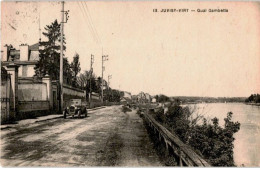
point(40, 119)
point(96, 108)
point(30, 121)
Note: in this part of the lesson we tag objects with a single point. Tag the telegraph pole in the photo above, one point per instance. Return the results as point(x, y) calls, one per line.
point(61, 56)
point(108, 78)
point(40, 27)
point(61, 52)
point(91, 70)
point(108, 83)
point(104, 58)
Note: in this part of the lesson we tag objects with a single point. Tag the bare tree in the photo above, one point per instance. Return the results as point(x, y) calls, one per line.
point(83, 79)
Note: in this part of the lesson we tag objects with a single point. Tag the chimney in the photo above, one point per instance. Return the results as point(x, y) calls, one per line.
point(5, 52)
point(24, 52)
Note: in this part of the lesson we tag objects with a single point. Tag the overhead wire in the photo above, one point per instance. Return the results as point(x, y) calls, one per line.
point(87, 21)
point(91, 22)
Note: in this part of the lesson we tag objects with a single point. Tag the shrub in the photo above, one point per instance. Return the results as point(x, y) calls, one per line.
point(159, 116)
point(208, 139)
point(126, 109)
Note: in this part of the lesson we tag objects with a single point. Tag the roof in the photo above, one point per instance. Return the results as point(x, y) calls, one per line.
point(134, 97)
point(5, 63)
point(125, 99)
point(34, 56)
point(34, 46)
point(127, 92)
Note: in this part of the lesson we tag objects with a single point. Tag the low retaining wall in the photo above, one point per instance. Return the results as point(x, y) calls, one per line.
point(32, 109)
point(68, 90)
point(186, 155)
point(29, 106)
point(32, 91)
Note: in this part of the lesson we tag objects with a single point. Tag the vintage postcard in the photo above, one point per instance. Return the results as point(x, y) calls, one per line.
point(130, 84)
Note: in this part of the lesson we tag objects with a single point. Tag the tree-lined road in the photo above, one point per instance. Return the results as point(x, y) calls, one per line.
point(107, 137)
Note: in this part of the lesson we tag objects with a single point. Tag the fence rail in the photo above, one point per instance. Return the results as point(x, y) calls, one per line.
point(186, 155)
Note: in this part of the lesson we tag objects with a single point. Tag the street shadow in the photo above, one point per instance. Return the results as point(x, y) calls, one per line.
point(77, 117)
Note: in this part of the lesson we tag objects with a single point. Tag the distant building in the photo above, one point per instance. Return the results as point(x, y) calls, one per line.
point(125, 100)
point(134, 98)
point(126, 97)
point(141, 97)
point(26, 57)
point(153, 100)
point(127, 94)
point(148, 98)
point(144, 97)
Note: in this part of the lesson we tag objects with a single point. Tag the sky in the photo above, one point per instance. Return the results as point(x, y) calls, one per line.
point(176, 54)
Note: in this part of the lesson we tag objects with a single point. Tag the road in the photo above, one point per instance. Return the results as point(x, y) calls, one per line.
point(107, 137)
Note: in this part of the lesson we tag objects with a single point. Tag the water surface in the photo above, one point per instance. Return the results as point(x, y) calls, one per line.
point(247, 143)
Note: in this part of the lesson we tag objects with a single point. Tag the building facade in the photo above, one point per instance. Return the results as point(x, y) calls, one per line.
point(26, 57)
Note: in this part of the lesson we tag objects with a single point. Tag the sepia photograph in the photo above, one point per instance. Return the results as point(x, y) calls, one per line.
point(130, 83)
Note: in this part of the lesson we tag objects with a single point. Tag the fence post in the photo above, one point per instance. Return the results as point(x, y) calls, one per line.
point(12, 69)
point(180, 156)
point(46, 79)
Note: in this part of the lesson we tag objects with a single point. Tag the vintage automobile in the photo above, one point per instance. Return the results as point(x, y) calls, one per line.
point(76, 108)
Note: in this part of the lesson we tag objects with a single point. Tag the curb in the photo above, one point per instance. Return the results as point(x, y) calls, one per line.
point(101, 107)
point(49, 119)
point(60, 116)
point(6, 127)
point(3, 127)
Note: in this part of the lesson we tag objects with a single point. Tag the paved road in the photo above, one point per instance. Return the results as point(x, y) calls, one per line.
point(107, 137)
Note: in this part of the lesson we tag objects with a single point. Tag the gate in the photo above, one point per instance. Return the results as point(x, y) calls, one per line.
point(5, 96)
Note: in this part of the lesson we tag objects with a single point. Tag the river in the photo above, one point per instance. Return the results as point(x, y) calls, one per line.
point(247, 139)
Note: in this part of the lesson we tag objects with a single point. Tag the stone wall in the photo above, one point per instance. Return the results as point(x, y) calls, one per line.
point(68, 90)
point(5, 97)
point(32, 91)
point(28, 106)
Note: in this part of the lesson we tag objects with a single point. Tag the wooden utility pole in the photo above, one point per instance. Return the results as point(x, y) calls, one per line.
point(108, 78)
point(108, 83)
point(61, 56)
point(91, 71)
point(104, 58)
point(61, 52)
point(40, 28)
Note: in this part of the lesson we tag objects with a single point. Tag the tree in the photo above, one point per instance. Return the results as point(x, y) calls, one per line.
point(255, 98)
point(75, 68)
point(112, 95)
point(49, 55)
point(98, 86)
point(67, 73)
point(82, 79)
point(162, 98)
point(208, 139)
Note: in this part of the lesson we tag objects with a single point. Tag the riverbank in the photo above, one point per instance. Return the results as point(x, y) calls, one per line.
point(253, 104)
point(246, 151)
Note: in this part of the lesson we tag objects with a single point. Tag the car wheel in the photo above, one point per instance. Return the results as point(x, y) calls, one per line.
point(79, 113)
